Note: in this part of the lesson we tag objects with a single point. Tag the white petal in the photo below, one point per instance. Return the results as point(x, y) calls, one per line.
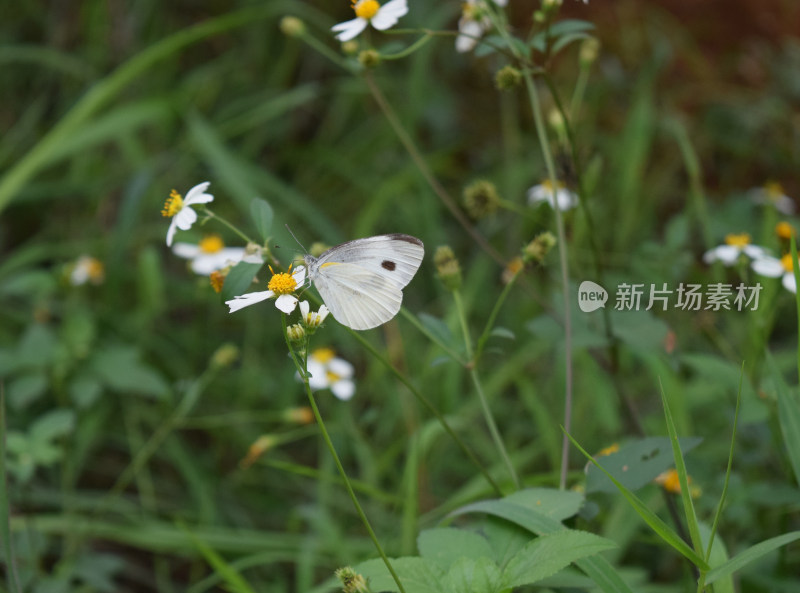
point(197, 195)
point(789, 283)
point(784, 205)
point(350, 29)
point(323, 313)
point(501, 2)
point(286, 303)
point(468, 33)
point(299, 275)
point(205, 263)
point(388, 14)
point(538, 193)
point(344, 390)
point(566, 199)
point(728, 254)
point(768, 266)
point(245, 300)
point(341, 367)
point(185, 218)
point(319, 374)
point(754, 251)
point(186, 250)
point(173, 226)
point(253, 258)
point(304, 308)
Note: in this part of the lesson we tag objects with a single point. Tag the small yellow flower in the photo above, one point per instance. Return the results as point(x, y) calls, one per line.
point(772, 193)
point(87, 269)
point(784, 230)
point(179, 208)
point(670, 481)
point(370, 12)
point(512, 268)
point(281, 285)
point(563, 198)
point(326, 371)
point(773, 267)
point(736, 245)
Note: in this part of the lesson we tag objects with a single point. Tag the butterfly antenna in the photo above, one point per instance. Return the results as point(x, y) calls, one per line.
point(296, 239)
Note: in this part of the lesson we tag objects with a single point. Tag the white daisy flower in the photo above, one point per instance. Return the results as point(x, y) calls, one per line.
point(210, 254)
point(280, 285)
point(177, 208)
point(772, 193)
point(312, 319)
point(86, 269)
point(328, 372)
point(370, 12)
point(782, 268)
point(473, 24)
point(735, 245)
point(543, 192)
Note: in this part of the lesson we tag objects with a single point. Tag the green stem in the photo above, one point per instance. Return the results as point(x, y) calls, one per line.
point(493, 315)
point(327, 52)
point(562, 253)
point(487, 412)
point(431, 408)
point(422, 165)
point(231, 226)
point(12, 577)
point(303, 370)
point(411, 318)
point(410, 49)
point(580, 89)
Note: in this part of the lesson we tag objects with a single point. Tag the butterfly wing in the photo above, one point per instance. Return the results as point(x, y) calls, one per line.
point(395, 257)
point(356, 296)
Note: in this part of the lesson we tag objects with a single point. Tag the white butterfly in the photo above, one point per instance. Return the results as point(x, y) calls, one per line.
point(362, 281)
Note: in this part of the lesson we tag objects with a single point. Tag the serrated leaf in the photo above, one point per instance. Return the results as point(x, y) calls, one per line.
point(239, 280)
point(548, 554)
point(262, 215)
point(473, 575)
point(636, 464)
point(749, 555)
point(418, 575)
point(446, 545)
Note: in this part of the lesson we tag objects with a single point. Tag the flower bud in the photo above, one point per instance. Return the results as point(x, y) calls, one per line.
point(261, 445)
point(350, 47)
point(296, 333)
point(481, 199)
point(447, 267)
point(536, 250)
point(590, 48)
point(352, 582)
point(369, 58)
point(301, 415)
point(291, 26)
point(507, 78)
point(217, 279)
point(224, 356)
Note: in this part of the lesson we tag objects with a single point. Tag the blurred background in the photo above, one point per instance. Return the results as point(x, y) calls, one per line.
point(146, 425)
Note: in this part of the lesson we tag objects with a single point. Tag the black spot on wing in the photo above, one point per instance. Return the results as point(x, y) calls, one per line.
point(388, 265)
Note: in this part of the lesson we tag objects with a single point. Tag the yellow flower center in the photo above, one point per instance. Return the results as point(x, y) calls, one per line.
point(282, 283)
point(773, 190)
point(217, 280)
point(211, 244)
point(323, 355)
point(95, 269)
point(470, 11)
point(332, 377)
point(173, 205)
point(549, 186)
point(366, 9)
point(740, 240)
point(787, 262)
point(784, 230)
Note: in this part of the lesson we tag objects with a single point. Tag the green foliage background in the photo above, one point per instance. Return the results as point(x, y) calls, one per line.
point(125, 432)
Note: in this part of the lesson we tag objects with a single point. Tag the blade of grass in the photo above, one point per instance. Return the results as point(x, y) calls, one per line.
point(648, 516)
point(788, 416)
point(683, 477)
point(12, 578)
point(229, 575)
point(106, 89)
point(750, 554)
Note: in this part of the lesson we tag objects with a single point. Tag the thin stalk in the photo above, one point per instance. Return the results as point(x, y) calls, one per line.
point(12, 577)
point(562, 256)
point(487, 412)
point(431, 408)
point(434, 184)
point(410, 49)
point(231, 226)
point(580, 89)
point(424, 331)
point(493, 315)
point(303, 369)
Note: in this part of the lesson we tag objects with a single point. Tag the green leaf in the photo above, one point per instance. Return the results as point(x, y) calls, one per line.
point(502, 332)
point(717, 557)
point(472, 575)
point(636, 464)
point(752, 553)
point(239, 280)
point(84, 390)
point(119, 368)
point(53, 424)
point(446, 545)
point(648, 516)
point(788, 416)
point(550, 502)
point(26, 389)
point(229, 575)
point(262, 215)
point(418, 575)
point(570, 26)
point(596, 567)
point(565, 40)
point(548, 554)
